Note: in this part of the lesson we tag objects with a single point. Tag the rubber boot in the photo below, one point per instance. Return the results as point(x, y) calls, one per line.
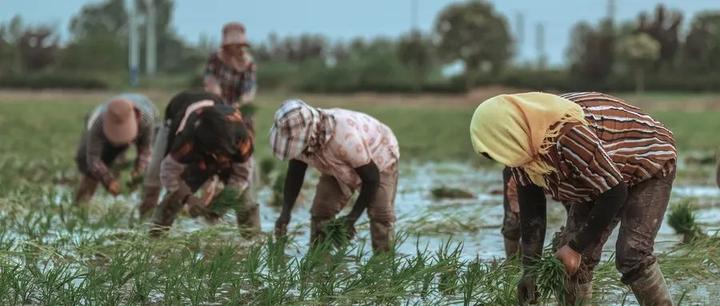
point(85, 190)
point(248, 220)
point(512, 247)
point(166, 212)
point(151, 195)
point(382, 236)
point(650, 289)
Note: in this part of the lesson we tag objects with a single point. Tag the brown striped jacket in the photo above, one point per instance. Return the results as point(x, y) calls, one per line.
point(620, 143)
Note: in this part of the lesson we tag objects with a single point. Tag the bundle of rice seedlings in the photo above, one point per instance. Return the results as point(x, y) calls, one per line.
point(682, 220)
point(336, 233)
point(550, 276)
point(228, 198)
point(451, 193)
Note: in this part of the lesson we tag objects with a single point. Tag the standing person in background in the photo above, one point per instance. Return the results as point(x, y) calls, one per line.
point(108, 132)
point(230, 71)
point(608, 162)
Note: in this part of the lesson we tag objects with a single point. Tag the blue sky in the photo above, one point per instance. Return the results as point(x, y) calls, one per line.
point(344, 19)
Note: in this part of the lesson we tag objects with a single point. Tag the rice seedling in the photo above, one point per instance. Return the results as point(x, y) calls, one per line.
point(228, 198)
point(451, 193)
point(550, 276)
point(682, 220)
point(336, 233)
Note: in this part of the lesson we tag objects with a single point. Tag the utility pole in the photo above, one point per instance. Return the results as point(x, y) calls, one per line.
point(520, 28)
point(133, 43)
point(151, 39)
point(520, 33)
point(611, 11)
point(540, 45)
point(413, 15)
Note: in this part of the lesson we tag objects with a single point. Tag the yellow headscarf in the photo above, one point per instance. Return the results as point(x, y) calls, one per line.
point(514, 129)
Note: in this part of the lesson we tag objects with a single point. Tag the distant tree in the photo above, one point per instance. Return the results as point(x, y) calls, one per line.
point(591, 51)
point(475, 34)
point(664, 28)
point(702, 44)
point(100, 19)
point(98, 38)
point(639, 51)
point(293, 49)
point(415, 52)
point(10, 34)
point(27, 48)
point(38, 48)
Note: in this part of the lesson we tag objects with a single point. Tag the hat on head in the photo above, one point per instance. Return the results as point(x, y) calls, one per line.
point(234, 33)
point(119, 123)
point(293, 128)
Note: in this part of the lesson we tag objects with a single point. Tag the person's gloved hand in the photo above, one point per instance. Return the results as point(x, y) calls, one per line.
point(527, 290)
point(349, 226)
point(114, 187)
point(570, 258)
point(281, 226)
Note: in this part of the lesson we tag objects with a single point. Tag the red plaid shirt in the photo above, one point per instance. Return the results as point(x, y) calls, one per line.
point(235, 86)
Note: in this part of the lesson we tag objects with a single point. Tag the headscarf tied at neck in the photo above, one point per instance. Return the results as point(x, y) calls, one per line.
point(299, 128)
point(515, 129)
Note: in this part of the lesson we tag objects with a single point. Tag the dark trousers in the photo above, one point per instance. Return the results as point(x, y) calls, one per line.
point(639, 219)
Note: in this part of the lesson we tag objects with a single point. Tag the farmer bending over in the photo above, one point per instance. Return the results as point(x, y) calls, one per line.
point(606, 160)
point(205, 138)
point(109, 130)
point(352, 151)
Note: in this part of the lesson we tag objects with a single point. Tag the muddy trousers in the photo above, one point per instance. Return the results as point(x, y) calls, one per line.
point(330, 199)
point(151, 182)
point(247, 215)
point(640, 219)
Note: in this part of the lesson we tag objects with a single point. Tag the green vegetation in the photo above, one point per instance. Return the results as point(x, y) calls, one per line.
point(228, 198)
point(451, 193)
point(54, 253)
point(550, 275)
point(682, 220)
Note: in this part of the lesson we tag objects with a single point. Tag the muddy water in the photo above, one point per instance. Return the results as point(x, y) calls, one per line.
point(475, 222)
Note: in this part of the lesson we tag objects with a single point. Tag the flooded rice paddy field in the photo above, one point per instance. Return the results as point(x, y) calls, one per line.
point(423, 221)
point(476, 222)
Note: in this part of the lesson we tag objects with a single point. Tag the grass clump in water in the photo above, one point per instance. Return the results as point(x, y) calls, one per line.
point(444, 192)
point(267, 165)
point(228, 198)
point(682, 220)
point(277, 190)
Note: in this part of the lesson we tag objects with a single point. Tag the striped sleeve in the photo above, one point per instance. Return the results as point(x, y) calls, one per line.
point(520, 177)
point(582, 151)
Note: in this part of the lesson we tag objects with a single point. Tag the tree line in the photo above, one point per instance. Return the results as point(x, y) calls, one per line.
point(653, 50)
